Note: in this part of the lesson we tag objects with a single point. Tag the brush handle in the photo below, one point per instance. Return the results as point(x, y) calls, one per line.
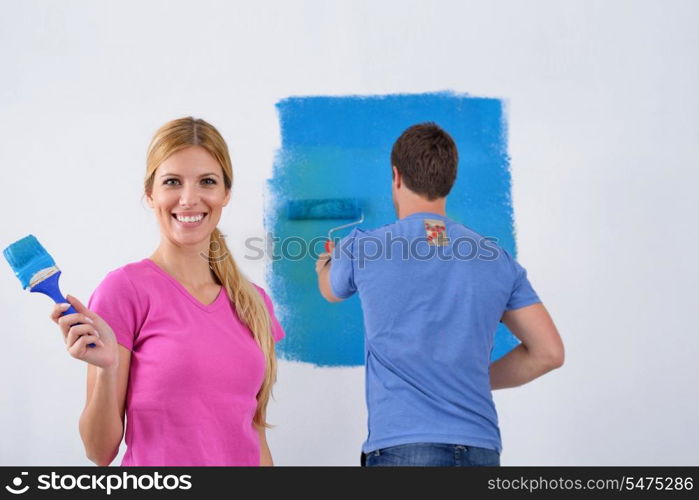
point(50, 288)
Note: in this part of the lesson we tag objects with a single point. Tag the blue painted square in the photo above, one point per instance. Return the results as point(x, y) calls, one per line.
point(339, 147)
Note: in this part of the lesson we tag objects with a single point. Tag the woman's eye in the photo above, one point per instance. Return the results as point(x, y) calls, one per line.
point(208, 181)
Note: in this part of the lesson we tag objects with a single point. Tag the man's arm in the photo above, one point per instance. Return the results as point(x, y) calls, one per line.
point(540, 352)
point(323, 271)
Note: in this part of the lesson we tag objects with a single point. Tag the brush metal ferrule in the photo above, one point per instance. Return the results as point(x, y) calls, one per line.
point(41, 275)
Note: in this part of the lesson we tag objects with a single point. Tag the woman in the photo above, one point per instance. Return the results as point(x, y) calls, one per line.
point(189, 336)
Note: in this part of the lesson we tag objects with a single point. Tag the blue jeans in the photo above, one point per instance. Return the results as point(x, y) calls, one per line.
point(432, 455)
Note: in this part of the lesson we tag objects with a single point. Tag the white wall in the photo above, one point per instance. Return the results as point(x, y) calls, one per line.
point(602, 107)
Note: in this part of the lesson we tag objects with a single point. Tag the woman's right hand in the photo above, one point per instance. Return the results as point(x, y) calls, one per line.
point(93, 330)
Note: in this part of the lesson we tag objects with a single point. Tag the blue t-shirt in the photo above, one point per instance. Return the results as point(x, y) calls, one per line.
point(433, 292)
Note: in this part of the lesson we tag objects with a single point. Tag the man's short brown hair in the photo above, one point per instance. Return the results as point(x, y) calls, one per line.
point(426, 158)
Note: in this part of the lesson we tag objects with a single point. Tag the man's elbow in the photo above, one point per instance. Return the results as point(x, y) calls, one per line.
point(329, 296)
point(555, 357)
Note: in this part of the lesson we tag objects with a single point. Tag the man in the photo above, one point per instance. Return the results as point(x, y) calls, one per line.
point(431, 306)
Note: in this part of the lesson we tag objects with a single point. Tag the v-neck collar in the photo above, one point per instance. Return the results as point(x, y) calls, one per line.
point(204, 307)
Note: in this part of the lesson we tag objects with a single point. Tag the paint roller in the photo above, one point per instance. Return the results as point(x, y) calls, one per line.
point(326, 209)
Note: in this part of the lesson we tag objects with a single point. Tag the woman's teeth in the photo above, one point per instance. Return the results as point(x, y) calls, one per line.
point(185, 218)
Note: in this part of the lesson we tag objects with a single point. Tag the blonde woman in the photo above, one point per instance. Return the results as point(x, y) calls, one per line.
point(183, 342)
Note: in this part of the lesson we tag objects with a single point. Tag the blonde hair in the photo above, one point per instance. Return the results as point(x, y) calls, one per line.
point(247, 300)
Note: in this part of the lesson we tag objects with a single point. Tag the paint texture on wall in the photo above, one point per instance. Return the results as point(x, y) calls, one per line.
point(339, 147)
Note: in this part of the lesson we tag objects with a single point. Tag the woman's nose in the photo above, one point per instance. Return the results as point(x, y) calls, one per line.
point(189, 196)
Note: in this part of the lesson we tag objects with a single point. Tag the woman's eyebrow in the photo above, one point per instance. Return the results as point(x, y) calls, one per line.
point(202, 175)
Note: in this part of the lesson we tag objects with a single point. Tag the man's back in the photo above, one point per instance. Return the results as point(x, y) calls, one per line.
point(433, 292)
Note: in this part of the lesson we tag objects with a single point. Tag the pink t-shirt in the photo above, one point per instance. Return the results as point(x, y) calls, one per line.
point(195, 370)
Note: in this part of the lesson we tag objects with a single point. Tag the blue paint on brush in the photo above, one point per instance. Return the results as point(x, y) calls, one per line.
point(36, 270)
point(339, 147)
point(27, 257)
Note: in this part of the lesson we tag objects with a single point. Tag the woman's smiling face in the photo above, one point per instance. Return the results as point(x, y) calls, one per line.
point(188, 196)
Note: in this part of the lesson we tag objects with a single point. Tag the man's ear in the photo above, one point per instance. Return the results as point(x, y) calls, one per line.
point(397, 181)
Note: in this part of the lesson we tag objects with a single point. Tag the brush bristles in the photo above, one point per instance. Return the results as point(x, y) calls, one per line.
point(30, 261)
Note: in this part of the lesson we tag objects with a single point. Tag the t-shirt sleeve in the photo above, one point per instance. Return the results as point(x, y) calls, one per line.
point(116, 300)
point(277, 330)
point(522, 293)
point(342, 267)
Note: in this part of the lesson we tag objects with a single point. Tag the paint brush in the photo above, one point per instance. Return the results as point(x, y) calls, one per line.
point(36, 270)
point(328, 208)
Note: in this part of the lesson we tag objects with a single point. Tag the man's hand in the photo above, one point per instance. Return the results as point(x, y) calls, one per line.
point(322, 261)
point(324, 258)
point(323, 272)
